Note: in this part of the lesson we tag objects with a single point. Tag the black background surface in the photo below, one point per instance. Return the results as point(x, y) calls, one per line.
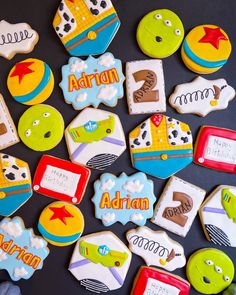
point(54, 278)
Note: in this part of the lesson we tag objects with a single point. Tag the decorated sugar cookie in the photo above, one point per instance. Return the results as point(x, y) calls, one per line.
point(215, 148)
point(156, 248)
point(41, 127)
point(160, 33)
point(21, 252)
point(61, 179)
point(210, 271)
point(95, 138)
point(92, 81)
point(8, 133)
point(86, 27)
point(16, 38)
point(178, 206)
point(15, 184)
point(8, 288)
point(30, 81)
point(218, 216)
point(161, 146)
point(202, 96)
point(145, 86)
point(124, 198)
point(61, 223)
point(100, 262)
point(154, 281)
point(230, 290)
point(206, 49)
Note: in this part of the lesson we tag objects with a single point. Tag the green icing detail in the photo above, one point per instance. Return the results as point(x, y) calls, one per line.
point(229, 203)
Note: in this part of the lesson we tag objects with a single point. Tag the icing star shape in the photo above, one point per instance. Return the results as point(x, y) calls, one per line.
point(213, 36)
point(22, 69)
point(60, 213)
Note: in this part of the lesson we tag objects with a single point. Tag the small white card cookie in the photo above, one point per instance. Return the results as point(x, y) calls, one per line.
point(16, 38)
point(178, 206)
point(156, 248)
point(202, 96)
point(145, 86)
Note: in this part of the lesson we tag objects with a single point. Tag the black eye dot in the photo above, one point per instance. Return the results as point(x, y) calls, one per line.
point(158, 39)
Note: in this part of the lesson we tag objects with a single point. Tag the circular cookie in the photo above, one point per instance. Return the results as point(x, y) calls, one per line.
point(41, 127)
point(61, 223)
point(210, 271)
point(30, 81)
point(206, 49)
point(160, 33)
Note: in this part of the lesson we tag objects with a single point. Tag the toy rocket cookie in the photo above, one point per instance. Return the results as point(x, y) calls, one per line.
point(161, 146)
point(86, 27)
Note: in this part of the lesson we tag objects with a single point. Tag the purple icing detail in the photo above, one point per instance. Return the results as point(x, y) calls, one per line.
point(78, 151)
point(114, 141)
point(79, 263)
point(214, 210)
point(116, 275)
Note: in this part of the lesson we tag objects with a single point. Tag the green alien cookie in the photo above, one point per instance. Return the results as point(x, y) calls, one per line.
point(41, 127)
point(210, 271)
point(160, 33)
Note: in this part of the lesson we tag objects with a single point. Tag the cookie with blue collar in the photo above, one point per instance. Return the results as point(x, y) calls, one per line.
point(21, 252)
point(92, 81)
point(124, 198)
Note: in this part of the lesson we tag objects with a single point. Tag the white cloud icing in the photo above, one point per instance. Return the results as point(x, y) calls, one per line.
point(20, 272)
point(3, 255)
point(107, 185)
point(106, 60)
point(133, 186)
point(136, 217)
point(36, 243)
point(12, 229)
point(78, 66)
point(82, 97)
point(108, 217)
point(107, 92)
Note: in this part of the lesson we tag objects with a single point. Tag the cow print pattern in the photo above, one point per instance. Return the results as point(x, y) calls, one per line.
point(144, 139)
point(176, 136)
point(11, 171)
point(97, 7)
point(68, 23)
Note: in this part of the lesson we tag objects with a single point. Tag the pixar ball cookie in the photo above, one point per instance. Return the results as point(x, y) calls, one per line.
point(206, 49)
point(30, 81)
point(210, 271)
point(41, 127)
point(160, 33)
point(61, 223)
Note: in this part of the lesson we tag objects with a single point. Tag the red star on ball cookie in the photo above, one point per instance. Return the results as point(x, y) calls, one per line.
point(22, 69)
point(213, 36)
point(60, 213)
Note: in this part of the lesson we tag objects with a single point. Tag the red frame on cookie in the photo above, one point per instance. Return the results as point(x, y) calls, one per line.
point(83, 172)
point(202, 143)
point(146, 273)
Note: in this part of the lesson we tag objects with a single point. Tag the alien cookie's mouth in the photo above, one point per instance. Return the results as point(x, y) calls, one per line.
point(206, 280)
point(47, 134)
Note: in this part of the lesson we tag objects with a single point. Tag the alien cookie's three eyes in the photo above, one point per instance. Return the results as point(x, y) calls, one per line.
point(217, 269)
point(35, 123)
point(168, 23)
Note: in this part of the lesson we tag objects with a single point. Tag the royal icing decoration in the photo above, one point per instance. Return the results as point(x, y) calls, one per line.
point(153, 281)
point(161, 146)
point(61, 224)
point(100, 262)
point(156, 248)
point(215, 148)
point(8, 133)
point(178, 206)
point(60, 179)
point(218, 216)
point(124, 198)
point(230, 290)
point(86, 26)
point(15, 184)
point(8, 288)
point(145, 86)
point(18, 255)
point(210, 271)
point(92, 81)
point(95, 138)
point(202, 96)
point(16, 38)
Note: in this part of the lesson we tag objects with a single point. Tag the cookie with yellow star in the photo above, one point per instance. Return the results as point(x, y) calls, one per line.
point(61, 223)
point(206, 49)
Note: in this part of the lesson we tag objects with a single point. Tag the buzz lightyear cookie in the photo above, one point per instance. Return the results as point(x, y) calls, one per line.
point(202, 96)
point(145, 86)
point(41, 127)
point(16, 38)
point(95, 138)
point(61, 223)
point(15, 184)
point(206, 49)
point(124, 198)
point(100, 262)
point(230, 290)
point(21, 252)
point(161, 146)
point(92, 81)
point(210, 271)
point(30, 81)
point(156, 248)
point(160, 33)
point(86, 27)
